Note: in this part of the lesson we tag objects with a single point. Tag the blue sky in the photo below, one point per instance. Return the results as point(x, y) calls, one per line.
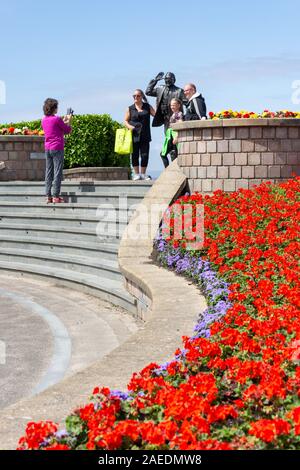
point(91, 54)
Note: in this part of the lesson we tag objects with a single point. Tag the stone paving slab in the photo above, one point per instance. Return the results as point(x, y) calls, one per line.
point(93, 327)
point(155, 342)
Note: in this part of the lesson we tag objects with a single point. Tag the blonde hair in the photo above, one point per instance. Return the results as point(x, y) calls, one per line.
point(178, 101)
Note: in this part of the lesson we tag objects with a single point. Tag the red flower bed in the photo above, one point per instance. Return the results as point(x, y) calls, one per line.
point(239, 388)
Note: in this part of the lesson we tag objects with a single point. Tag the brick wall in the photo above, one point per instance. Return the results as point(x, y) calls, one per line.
point(97, 174)
point(23, 158)
point(238, 153)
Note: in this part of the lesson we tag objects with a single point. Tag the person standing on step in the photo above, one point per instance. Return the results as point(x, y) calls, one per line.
point(137, 119)
point(54, 128)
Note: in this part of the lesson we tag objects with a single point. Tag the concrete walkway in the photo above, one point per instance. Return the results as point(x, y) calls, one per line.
point(155, 341)
point(48, 333)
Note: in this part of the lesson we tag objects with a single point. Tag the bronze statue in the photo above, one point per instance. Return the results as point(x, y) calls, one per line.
point(164, 94)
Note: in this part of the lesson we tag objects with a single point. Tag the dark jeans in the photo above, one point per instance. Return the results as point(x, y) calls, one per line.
point(143, 149)
point(54, 171)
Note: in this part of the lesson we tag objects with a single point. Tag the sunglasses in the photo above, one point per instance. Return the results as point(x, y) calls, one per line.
point(136, 96)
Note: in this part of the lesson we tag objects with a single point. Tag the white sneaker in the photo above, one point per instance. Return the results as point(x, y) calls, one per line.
point(147, 177)
point(142, 176)
point(136, 177)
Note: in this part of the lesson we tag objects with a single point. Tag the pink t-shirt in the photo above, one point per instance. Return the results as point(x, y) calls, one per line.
point(54, 128)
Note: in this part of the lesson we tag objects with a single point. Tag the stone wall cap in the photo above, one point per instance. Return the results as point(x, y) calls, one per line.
point(242, 122)
point(22, 138)
point(96, 169)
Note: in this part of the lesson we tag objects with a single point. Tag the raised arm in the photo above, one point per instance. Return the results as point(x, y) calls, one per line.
point(151, 90)
point(65, 126)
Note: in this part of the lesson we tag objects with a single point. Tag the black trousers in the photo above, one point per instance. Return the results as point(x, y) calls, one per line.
point(172, 151)
point(140, 149)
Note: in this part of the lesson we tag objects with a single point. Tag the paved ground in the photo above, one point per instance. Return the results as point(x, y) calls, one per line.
point(49, 332)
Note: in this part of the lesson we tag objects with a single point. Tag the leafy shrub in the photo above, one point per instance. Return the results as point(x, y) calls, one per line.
point(91, 142)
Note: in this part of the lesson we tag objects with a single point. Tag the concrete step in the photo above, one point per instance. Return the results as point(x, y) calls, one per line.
point(95, 250)
point(73, 242)
point(72, 234)
point(86, 265)
point(111, 290)
point(83, 198)
point(72, 208)
point(107, 220)
point(108, 187)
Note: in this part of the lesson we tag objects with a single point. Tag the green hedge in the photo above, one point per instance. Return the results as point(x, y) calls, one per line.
point(91, 142)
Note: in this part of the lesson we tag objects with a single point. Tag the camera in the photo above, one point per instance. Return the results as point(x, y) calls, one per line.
point(70, 112)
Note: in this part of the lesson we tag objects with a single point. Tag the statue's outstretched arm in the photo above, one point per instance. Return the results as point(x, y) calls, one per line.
point(151, 90)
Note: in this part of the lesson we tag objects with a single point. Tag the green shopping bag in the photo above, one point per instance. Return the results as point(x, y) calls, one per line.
point(170, 135)
point(123, 142)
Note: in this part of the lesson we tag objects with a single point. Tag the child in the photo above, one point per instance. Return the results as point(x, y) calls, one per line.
point(176, 108)
point(169, 146)
point(54, 127)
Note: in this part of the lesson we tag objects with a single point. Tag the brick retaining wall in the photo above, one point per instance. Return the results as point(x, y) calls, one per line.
point(97, 174)
point(238, 153)
point(23, 157)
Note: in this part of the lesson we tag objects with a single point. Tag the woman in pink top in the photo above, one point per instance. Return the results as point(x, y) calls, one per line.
point(55, 128)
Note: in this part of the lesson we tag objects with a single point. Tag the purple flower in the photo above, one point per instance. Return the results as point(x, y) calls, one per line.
point(119, 394)
point(215, 290)
point(62, 433)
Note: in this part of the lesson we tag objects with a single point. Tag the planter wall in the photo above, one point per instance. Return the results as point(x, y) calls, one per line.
point(238, 153)
point(23, 158)
point(97, 173)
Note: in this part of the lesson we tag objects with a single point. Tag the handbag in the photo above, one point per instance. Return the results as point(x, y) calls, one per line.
point(123, 142)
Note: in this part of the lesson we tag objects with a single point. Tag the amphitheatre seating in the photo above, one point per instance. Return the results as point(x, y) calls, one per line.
point(75, 243)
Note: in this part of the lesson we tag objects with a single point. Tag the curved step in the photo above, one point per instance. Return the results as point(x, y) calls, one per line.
point(84, 210)
point(139, 187)
point(75, 233)
point(66, 220)
point(111, 290)
point(87, 265)
point(74, 242)
point(87, 197)
point(107, 250)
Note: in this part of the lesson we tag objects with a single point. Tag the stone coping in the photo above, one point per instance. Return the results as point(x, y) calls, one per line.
point(163, 289)
point(21, 138)
point(176, 304)
point(92, 169)
point(242, 122)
